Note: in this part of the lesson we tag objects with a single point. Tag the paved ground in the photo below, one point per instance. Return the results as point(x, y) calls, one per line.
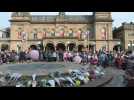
point(117, 77)
point(42, 68)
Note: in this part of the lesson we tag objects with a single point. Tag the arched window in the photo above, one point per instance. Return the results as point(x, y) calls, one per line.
point(4, 47)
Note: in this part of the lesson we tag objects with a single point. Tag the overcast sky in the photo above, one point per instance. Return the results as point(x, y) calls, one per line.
point(118, 17)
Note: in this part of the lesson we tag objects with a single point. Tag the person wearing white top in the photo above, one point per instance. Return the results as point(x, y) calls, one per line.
point(54, 56)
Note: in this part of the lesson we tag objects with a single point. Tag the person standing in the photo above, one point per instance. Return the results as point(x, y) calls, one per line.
point(110, 59)
point(65, 56)
point(22, 56)
point(54, 56)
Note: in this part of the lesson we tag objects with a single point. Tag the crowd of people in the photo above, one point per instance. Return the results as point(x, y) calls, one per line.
point(100, 57)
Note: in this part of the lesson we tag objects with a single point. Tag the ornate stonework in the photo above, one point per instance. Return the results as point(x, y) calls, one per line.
point(63, 28)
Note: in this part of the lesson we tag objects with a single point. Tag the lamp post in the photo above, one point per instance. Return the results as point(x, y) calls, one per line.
point(68, 46)
point(87, 34)
point(119, 46)
point(94, 44)
point(131, 45)
point(55, 46)
point(17, 47)
point(39, 45)
point(86, 40)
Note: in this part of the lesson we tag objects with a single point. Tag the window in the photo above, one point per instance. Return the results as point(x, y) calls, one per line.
point(62, 33)
point(35, 35)
point(52, 33)
point(130, 42)
point(70, 33)
point(19, 35)
point(103, 33)
point(79, 34)
point(131, 34)
point(130, 45)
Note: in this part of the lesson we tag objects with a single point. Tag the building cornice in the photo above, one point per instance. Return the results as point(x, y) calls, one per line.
point(103, 20)
point(13, 20)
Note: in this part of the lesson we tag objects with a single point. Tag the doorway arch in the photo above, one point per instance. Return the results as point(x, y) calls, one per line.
point(71, 46)
point(60, 47)
point(50, 47)
point(91, 47)
point(116, 47)
point(33, 47)
point(80, 47)
point(4, 47)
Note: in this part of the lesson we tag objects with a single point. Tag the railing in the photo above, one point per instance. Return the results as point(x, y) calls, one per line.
point(43, 18)
point(4, 39)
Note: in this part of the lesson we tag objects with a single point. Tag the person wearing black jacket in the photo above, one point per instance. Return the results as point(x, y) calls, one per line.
point(22, 57)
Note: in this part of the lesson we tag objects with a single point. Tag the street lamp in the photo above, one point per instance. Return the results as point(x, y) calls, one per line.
point(39, 45)
point(129, 45)
point(87, 34)
point(17, 47)
point(119, 46)
point(68, 45)
point(132, 46)
point(86, 39)
point(94, 44)
point(39, 42)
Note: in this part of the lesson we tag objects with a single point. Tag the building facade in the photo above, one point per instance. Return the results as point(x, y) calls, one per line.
point(4, 38)
point(62, 31)
point(126, 34)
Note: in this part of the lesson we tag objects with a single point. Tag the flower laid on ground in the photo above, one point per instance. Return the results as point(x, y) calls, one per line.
point(72, 78)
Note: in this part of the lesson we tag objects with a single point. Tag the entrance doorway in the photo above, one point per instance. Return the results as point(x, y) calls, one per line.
point(33, 47)
point(91, 48)
point(50, 47)
point(80, 48)
point(117, 48)
point(4, 47)
point(71, 46)
point(61, 47)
